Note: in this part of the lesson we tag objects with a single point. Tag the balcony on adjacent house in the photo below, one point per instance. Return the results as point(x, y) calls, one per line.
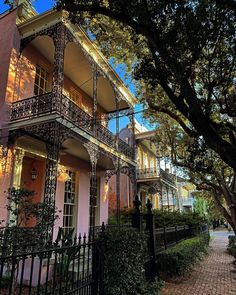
point(187, 201)
point(170, 201)
point(147, 173)
point(49, 106)
point(168, 177)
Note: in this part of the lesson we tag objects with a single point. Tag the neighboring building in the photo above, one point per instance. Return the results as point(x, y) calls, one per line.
point(185, 195)
point(57, 92)
point(152, 182)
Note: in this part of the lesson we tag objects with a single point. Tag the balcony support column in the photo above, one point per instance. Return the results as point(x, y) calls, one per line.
point(52, 146)
point(117, 122)
point(59, 40)
point(51, 174)
point(117, 164)
point(168, 201)
point(134, 147)
point(95, 84)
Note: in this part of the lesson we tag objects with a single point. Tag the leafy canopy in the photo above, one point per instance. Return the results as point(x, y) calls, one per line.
point(182, 55)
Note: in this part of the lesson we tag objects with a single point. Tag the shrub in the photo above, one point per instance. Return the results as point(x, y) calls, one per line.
point(166, 218)
point(125, 216)
point(232, 245)
point(124, 258)
point(177, 260)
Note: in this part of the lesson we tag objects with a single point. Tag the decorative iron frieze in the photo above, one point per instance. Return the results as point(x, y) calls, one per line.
point(51, 31)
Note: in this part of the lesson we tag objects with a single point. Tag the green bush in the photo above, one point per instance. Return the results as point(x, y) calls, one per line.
point(124, 258)
point(166, 218)
point(125, 216)
point(177, 260)
point(163, 218)
point(232, 245)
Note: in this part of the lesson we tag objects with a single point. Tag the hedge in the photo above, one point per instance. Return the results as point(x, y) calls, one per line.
point(180, 258)
point(232, 245)
point(125, 253)
point(172, 218)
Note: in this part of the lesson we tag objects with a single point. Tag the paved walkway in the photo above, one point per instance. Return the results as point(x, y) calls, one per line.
point(215, 275)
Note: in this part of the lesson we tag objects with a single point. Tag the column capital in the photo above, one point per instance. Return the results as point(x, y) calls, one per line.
point(93, 152)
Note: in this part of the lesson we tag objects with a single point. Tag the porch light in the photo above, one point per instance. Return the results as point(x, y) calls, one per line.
point(62, 174)
point(106, 188)
point(34, 174)
point(5, 160)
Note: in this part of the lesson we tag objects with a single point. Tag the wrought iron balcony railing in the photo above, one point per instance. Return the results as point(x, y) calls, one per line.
point(168, 177)
point(155, 173)
point(48, 104)
point(187, 201)
point(147, 173)
point(169, 201)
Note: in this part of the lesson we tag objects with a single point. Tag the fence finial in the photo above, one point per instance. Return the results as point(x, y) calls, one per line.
point(149, 206)
point(137, 203)
point(103, 227)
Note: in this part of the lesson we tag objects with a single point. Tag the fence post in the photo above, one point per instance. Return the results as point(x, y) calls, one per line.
point(136, 215)
point(98, 265)
point(176, 234)
point(150, 227)
point(164, 233)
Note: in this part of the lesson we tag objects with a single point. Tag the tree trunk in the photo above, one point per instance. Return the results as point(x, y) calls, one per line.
point(233, 217)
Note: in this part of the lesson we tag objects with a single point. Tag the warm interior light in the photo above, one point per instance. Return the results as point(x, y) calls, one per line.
point(34, 174)
point(62, 174)
point(106, 188)
point(5, 161)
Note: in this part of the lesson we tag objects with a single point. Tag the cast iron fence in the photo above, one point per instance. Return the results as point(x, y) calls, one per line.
point(77, 267)
point(69, 268)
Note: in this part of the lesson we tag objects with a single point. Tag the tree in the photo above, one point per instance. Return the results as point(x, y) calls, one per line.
point(200, 165)
point(182, 51)
point(206, 207)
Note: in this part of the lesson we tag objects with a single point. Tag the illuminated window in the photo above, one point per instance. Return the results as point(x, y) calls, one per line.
point(69, 212)
point(73, 95)
point(41, 81)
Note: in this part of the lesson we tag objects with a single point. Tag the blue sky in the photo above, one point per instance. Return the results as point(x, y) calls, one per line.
point(43, 5)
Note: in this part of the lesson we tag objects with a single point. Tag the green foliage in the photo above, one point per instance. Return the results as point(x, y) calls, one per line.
point(178, 260)
point(124, 258)
point(5, 282)
point(232, 246)
point(182, 55)
point(24, 213)
point(167, 218)
point(125, 216)
point(22, 209)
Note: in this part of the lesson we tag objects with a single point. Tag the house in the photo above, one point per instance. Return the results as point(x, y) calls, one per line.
point(57, 94)
point(153, 182)
point(185, 193)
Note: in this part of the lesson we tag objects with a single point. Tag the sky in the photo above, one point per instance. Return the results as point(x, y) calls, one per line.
point(43, 5)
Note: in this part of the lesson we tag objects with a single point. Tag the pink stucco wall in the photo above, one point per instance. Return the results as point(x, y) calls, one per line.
point(103, 200)
point(126, 192)
point(9, 41)
point(5, 183)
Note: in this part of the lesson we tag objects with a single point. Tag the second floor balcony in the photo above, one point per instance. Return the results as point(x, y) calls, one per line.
point(187, 201)
point(50, 106)
point(147, 173)
point(157, 174)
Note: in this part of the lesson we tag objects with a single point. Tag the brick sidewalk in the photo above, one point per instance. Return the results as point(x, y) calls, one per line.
point(215, 275)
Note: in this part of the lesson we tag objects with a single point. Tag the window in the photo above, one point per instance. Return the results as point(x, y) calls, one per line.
point(94, 204)
point(69, 203)
point(73, 95)
point(41, 81)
